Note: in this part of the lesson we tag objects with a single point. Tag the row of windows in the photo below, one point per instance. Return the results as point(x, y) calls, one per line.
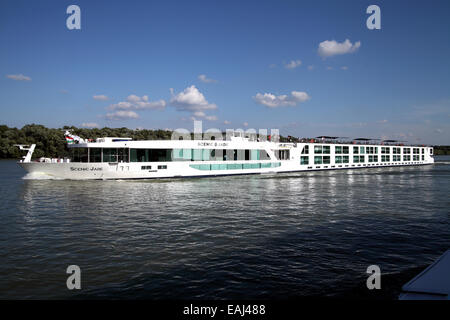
point(235, 166)
point(150, 167)
point(358, 159)
point(165, 155)
point(357, 150)
point(322, 149)
point(319, 149)
point(100, 155)
point(342, 159)
point(151, 155)
point(320, 159)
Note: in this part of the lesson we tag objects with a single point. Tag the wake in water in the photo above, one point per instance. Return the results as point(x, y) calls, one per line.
point(442, 162)
point(39, 176)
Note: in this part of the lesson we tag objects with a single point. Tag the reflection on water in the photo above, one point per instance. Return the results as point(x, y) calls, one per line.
point(265, 236)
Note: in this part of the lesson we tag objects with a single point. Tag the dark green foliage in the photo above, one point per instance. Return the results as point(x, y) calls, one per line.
point(51, 142)
point(441, 150)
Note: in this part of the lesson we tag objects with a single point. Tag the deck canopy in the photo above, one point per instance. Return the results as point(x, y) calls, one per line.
point(365, 139)
point(327, 137)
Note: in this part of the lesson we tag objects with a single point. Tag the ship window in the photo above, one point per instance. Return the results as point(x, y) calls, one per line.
point(217, 154)
point(305, 149)
point(326, 149)
point(338, 149)
point(95, 155)
point(263, 155)
point(197, 154)
point(205, 154)
point(338, 159)
point(162, 167)
point(254, 155)
point(318, 160)
point(234, 166)
point(109, 155)
point(304, 160)
point(80, 155)
point(317, 149)
point(181, 154)
point(146, 167)
point(345, 149)
point(247, 154)
point(355, 150)
point(282, 154)
point(361, 150)
point(240, 154)
point(326, 159)
point(146, 155)
point(122, 154)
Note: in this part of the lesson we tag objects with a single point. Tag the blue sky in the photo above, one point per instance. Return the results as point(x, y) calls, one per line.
point(138, 64)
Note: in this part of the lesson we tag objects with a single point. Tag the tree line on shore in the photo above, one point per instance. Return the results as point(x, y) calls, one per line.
point(50, 142)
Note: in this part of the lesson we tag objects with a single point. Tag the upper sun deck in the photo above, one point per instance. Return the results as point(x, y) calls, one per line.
point(359, 141)
point(234, 142)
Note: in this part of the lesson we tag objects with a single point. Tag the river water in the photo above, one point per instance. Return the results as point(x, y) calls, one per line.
point(268, 236)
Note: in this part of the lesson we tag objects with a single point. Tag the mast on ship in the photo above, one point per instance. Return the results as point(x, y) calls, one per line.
point(28, 148)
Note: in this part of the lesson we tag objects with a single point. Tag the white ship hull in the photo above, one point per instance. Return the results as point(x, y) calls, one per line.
point(281, 158)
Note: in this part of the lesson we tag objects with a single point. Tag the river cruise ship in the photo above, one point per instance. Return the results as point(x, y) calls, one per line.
point(123, 158)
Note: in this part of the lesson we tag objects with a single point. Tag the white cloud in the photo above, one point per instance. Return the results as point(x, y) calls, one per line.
point(330, 68)
point(245, 124)
point(227, 122)
point(330, 48)
point(100, 97)
point(344, 68)
point(311, 67)
point(273, 101)
point(89, 125)
point(138, 103)
point(191, 99)
point(135, 98)
point(204, 79)
point(18, 77)
point(122, 115)
point(211, 118)
point(293, 64)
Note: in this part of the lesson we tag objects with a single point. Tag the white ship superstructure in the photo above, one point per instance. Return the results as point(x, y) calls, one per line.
point(123, 158)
